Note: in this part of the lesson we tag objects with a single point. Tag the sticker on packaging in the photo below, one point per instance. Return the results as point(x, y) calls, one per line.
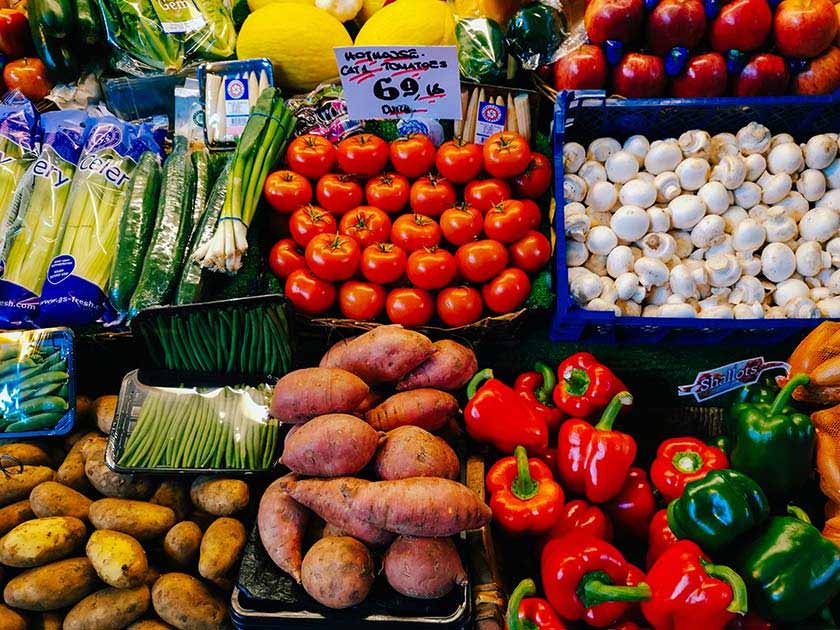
point(237, 106)
point(490, 119)
point(721, 380)
point(178, 16)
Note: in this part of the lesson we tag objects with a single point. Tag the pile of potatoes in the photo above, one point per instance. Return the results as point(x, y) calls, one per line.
point(367, 468)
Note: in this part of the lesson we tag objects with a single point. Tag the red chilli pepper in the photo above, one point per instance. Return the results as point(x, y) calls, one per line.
point(633, 507)
point(524, 496)
point(530, 613)
point(595, 461)
point(682, 460)
point(585, 385)
point(660, 537)
point(537, 388)
point(580, 516)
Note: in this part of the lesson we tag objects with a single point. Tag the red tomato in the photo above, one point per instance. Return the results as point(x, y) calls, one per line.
point(483, 194)
point(431, 195)
point(285, 257)
point(286, 191)
point(366, 224)
point(506, 154)
point(333, 256)
point(535, 180)
point(383, 263)
point(361, 301)
point(363, 154)
point(481, 260)
point(311, 156)
point(431, 269)
point(309, 293)
point(531, 253)
point(388, 192)
point(415, 231)
point(410, 307)
point(338, 193)
point(532, 210)
point(507, 291)
point(413, 155)
point(459, 306)
point(507, 222)
point(461, 224)
point(309, 221)
point(459, 162)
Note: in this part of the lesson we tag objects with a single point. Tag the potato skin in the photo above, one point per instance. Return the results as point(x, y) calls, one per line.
point(14, 514)
point(26, 453)
point(112, 484)
point(54, 499)
point(184, 602)
point(104, 408)
point(219, 497)
point(182, 542)
point(333, 445)
point(17, 485)
point(450, 368)
point(312, 392)
point(71, 473)
point(51, 586)
point(175, 495)
point(338, 572)
point(139, 519)
point(149, 624)
point(281, 522)
point(118, 559)
point(47, 621)
point(10, 620)
point(423, 568)
point(109, 608)
point(412, 452)
point(429, 409)
point(221, 546)
point(42, 540)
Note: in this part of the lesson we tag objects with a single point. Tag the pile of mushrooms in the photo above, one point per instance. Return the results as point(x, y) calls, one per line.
point(740, 225)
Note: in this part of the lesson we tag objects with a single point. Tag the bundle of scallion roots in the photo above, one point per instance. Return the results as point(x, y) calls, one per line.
point(262, 143)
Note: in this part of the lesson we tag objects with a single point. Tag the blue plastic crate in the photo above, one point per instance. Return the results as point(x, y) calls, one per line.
point(583, 116)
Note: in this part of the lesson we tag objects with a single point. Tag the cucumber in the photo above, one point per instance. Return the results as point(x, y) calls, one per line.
point(201, 166)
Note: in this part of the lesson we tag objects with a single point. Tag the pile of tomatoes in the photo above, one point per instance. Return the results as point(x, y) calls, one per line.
point(450, 231)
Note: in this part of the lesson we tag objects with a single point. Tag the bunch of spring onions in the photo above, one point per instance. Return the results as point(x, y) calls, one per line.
point(262, 143)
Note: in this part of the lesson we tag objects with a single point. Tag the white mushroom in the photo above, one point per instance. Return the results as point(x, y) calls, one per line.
point(660, 219)
point(592, 172)
point(820, 151)
point(698, 254)
point(646, 177)
point(574, 207)
point(686, 211)
point(753, 138)
point(829, 307)
point(601, 240)
point(819, 224)
point(733, 216)
point(574, 188)
point(577, 226)
point(831, 199)
point(811, 259)
point(693, 173)
point(638, 192)
point(833, 282)
point(748, 236)
point(748, 195)
point(576, 253)
point(748, 311)
point(715, 196)
point(750, 265)
point(585, 287)
point(621, 167)
point(718, 311)
point(651, 310)
point(779, 226)
point(780, 138)
point(608, 290)
point(795, 204)
point(664, 155)
point(811, 184)
point(574, 155)
point(637, 145)
point(682, 282)
point(695, 143)
point(627, 286)
point(659, 295)
point(819, 293)
point(785, 158)
point(680, 309)
point(602, 148)
point(683, 241)
point(724, 270)
point(748, 290)
point(667, 186)
point(652, 272)
point(709, 231)
point(778, 262)
point(802, 308)
point(599, 218)
point(776, 188)
point(597, 264)
point(723, 245)
point(790, 290)
point(630, 308)
point(756, 165)
point(730, 171)
point(600, 304)
point(723, 144)
point(759, 212)
point(602, 196)
point(620, 261)
point(659, 245)
point(832, 174)
point(833, 250)
point(630, 223)
point(774, 312)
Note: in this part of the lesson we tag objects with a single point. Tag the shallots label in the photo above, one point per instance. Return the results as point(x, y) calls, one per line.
point(718, 381)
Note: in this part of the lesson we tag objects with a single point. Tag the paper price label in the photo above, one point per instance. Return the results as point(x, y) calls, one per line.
point(393, 82)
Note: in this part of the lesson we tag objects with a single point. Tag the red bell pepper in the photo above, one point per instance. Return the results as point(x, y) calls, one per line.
point(750, 621)
point(682, 460)
point(580, 516)
point(595, 461)
point(586, 578)
point(15, 38)
point(626, 625)
point(497, 415)
point(585, 386)
point(660, 537)
point(524, 496)
point(633, 507)
point(525, 612)
point(689, 592)
point(537, 388)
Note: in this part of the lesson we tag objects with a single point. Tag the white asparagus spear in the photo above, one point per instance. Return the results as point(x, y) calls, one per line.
point(511, 114)
point(253, 90)
point(472, 110)
point(523, 114)
point(211, 91)
point(222, 113)
point(263, 80)
point(458, 126)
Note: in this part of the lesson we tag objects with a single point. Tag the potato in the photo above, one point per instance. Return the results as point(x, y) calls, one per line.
point(174, 495)
point(54, 499)
point(71, 473)
point(43, 540)
point(84, 410)
point(423, 568)
point(281, 522)
point(429, 409)
point(312, 392)
point(221, 546)
point(333, 445)
point(182, 543)
point(118, 559)
point(412, 452)
point(338, 572)
point(25, 454)
point(104, 408)
point(51, 586)
point(17, 484)
point(450, 368)
point(92, 444)
point(108, 609)
point(14, 514)
point(47, 621)
point(152, 576)
point(140, 519)
point(10, 620)
point(149, 624)
point(184, 602)
point(218, 496)
point(112, 484)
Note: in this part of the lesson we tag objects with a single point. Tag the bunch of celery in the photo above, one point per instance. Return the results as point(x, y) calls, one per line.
point(14, 160)
point(262, 143)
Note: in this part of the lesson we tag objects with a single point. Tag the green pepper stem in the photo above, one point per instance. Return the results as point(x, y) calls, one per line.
point(787, 391)
point(798, 513)
point(524, 486)
point(576, 381)
point(687, 462)
point(596, 588)
point(549, 382)
point(739, 603)
point(526, 588)
point(478, 380)
point(827, 617)
point(607, 420)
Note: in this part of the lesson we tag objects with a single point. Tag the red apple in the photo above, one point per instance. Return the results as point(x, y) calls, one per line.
point(822, 75)
point(804, 28)
point(639, 76)
point(704, 75)
point(764, 75)
point(613, 19)
point(742, 24)
point(675, 23)
point(584, 68)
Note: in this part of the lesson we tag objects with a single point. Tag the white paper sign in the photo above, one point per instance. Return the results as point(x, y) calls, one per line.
point(400, 82)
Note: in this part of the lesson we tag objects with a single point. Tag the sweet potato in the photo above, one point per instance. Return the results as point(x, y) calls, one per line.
point(332, 500)
point(219, 496)
point(371, 400)
point(14, 514)
point(420, 506)
point(24, 453)
point(17, 484)
point(333, 445)
point(54, 499)
point(109, 483)
point(175, 495)
point(311, 392)
point(221, 545)
point(413, 452)
point(109, 608)
point(184, 602)
point(450, 368)
point(281, 522)
point(182, 542)
point(338, 572)
point(428, 409)
point(423, 568)
point(382, 355)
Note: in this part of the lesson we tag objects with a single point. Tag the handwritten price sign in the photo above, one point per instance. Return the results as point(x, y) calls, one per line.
point(394, 82)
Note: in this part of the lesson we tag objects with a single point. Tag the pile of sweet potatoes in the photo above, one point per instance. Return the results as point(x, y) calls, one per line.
point(367, 468)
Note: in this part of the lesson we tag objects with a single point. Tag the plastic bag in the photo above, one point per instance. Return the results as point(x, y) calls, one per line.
point(535, 33)
point(481, 50)
point(323, 112)
point(818, 356)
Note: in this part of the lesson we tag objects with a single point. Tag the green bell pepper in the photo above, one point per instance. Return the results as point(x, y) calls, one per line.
point(481, 50)
point(715, 510)
point(59, 56)
point(790, 569)
point(773, 444)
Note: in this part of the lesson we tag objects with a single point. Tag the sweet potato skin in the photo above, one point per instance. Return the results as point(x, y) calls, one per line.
point(427, 408)
point(450, 368)
point(333, 445)
point(281, 522)
point(423, 568)
point(311, 392)
point(414, 452)
point(338, 572)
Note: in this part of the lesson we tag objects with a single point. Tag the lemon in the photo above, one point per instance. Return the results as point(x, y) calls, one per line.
point(409, 23)
point(298, 39)
point(259, 4)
